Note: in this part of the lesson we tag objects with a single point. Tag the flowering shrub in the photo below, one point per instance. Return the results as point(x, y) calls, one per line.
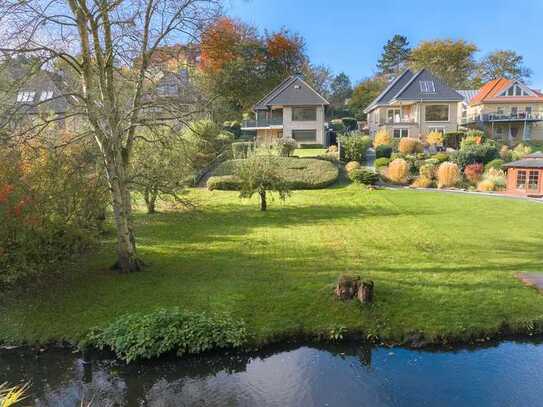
point(410, 145)
point(382, 137)
point(473, 172)
point(398, 171)
point(448, 175)
point(428, 171)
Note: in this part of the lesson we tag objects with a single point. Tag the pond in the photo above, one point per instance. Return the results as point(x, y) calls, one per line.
point(504, 374)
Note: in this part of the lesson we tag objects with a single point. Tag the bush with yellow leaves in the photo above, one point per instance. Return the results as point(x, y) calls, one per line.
point(398, 171)
point(448, 175)
point(409, 145)
point(382, 137)
point(422, 182)
point(435, 138)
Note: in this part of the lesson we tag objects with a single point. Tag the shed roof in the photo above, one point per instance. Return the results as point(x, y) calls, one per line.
point(534, 160)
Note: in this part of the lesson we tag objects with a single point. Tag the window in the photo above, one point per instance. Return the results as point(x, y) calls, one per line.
point(437, 113)
point(514, 111)
point(499, 111)
point(515, 90)
point(167, 89)
point(533, 181)
point(521, 179)
point(399, 133)
point(528, 111)
point(26, 96)
point(304, 114)
point(46, 95)
point(500, 132)
point(304, 136)
point(427, 86)
point(394, 115)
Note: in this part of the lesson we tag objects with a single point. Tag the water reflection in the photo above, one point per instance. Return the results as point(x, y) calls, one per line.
point(346, 375)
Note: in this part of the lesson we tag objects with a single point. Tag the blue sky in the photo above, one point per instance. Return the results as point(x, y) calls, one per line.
point(348, 35)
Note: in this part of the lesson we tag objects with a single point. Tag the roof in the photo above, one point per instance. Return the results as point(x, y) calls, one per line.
point(48, 88)
point(534, 160)
point(490, 93)
point(293, 91)
point(468, 94)
point(408, 86)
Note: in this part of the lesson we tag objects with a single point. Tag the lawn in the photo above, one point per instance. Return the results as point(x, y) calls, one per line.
point(442, 264)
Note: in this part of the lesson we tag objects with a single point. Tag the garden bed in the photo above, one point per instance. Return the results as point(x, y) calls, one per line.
point(299, 173)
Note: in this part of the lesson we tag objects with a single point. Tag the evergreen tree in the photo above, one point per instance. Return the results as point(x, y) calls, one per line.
point(394, 56)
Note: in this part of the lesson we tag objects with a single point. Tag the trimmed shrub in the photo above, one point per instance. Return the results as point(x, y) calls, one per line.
point(448, 175)
point(352, 165)
point(452, 139)
point(299, 173)
point(363, 176)
point(496, 164)
point(383, 150)
point(435, 138)
point(476, 153)
point(409, 145)
point(382, 137)
point(146, 336)
point(381, 162)
point(473, 172)
point(241, 150)
point(441, 157)
point(398, 171)
point(286, 146)
point(422, 182)
point(350, 123)
point(310, 146)
point(331, 157)
point(354, 147)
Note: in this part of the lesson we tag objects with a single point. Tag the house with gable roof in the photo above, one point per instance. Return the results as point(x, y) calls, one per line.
point(413, 105)
point(292, 110)
point(507, 110)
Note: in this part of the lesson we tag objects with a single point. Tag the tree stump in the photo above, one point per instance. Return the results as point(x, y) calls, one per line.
point(347, 287)
point(365, 292)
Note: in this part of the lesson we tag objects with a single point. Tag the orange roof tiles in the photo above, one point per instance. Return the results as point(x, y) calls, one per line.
point(490, 91)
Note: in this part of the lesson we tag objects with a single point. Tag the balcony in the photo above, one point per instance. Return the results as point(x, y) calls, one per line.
point(262, 123)
point(405, 120)
point(501, 117)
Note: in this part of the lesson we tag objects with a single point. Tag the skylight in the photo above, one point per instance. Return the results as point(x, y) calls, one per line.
point(427, 86)
point(26, 96)
point(46, 95)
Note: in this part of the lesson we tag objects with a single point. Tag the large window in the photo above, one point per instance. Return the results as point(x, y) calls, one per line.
point(305, 136)
point(533, 180)
point(399, 133)
point(515, 90)
point(394, 115)
point(304, 114)
point(437, 113)
point(521, 180)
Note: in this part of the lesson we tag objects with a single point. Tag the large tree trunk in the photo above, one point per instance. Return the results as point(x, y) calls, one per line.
point(263, 203)
point(150, 196)
point(127, 260)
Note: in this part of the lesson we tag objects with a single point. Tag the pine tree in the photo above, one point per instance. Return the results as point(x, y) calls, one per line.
point(394, 56)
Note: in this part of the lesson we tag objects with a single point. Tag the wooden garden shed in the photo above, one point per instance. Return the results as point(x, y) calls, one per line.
point(525, 177)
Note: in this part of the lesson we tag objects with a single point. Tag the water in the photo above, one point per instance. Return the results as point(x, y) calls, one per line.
point(506, 374)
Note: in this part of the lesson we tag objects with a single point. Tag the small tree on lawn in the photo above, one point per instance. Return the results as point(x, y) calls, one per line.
point(260, 175)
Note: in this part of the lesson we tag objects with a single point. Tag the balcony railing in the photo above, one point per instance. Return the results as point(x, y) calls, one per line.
point(398, 120)
point(501, 117)
point(274, 121)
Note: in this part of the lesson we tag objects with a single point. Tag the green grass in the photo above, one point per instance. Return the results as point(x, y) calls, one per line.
point(442, 264)
point(299, 173)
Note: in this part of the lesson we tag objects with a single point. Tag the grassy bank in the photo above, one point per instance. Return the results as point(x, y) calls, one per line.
point(443, 264)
